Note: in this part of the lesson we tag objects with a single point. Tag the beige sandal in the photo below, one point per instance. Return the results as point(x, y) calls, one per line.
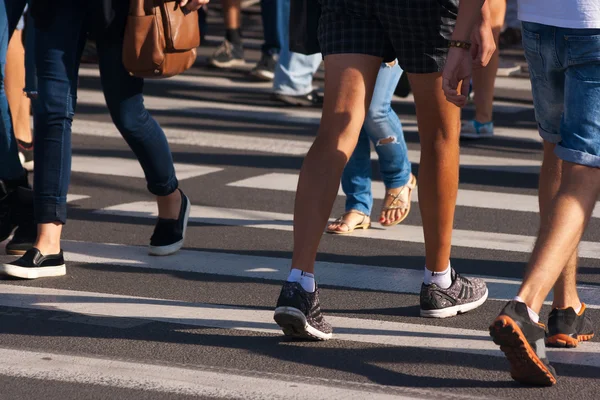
point(364, 224)
point(401, 201)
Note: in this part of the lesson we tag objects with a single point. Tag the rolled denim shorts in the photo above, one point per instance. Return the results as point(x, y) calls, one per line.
point(564, 65)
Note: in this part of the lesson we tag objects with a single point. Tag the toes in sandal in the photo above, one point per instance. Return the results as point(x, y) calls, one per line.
point(365, 223)
point(401, 201)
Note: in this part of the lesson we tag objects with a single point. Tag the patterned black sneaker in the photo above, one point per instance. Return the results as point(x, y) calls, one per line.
point(265, 68)
point(465, 294)
point(312, 99)
point(298, 313)
point(26, 232)
point(228, 55)
point(522, 341)
point(169, 234)
point(566, 328)
point(34, 265)
point(26, 154)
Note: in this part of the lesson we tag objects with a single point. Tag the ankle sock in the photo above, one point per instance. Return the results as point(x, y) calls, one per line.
point(305, 279)
point(234, 36)
point(442, 279)
point(532, 314)
point(578, 309)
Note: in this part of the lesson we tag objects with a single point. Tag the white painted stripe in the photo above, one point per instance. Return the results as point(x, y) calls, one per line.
point(231, 317)
point(131, 168)
point(76, 197)
point(291, 147)
point(466, 198)
point(353, 276)
point(403, 233)
point(206, 382)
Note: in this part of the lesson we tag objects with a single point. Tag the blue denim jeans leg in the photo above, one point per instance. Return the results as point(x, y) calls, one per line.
point(275, 24)
point(564, 66)
point(58, 51)
point(10, 165)
point(382, 127)
point(294, 72)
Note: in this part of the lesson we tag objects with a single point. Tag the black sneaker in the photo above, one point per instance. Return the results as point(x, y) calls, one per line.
point(566, 328)
point(7, 204)
point(169, 234)
point(26, 232)
point(26, 154)
point(522, 341)
point(312, 99)
point(228, 55)
point(298, 313)
point(465, 294)
point(265, 68)
point(35, 265)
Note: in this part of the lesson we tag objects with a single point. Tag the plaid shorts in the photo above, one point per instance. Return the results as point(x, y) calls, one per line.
point(416, 32)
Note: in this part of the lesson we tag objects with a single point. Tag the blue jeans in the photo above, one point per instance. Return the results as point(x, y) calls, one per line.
point(10, 165)
point(564, 65)
point(58, 51)
point(275, 24)
point(381, 123)
point(294, 72)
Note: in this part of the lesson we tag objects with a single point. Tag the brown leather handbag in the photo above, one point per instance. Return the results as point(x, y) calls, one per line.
point(160, 39)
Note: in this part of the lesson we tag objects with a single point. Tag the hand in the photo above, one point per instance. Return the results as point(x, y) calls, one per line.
point(483, 45)
point(456, 71)
point(193, 5)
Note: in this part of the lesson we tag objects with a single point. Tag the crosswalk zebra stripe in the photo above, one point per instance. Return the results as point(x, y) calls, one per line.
point(405, 233)
point(343, 275)
point(242, 318)
point(292, 147)
point(466, 198)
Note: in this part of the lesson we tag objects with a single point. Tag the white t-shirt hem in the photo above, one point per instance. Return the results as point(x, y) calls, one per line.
point(561, 23)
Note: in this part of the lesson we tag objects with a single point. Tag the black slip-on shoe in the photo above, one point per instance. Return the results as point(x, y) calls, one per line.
point(566, 328)
point(523, 344)
point(33, 265)
point(312, 99)
point(169, 234)
point(298, 313)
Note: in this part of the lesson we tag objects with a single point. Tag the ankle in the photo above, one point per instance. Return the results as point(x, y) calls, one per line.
point(169, 206)
point(47, 247)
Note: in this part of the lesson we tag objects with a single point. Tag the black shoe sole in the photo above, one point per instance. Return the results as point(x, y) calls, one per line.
point(525, 366)
point(293, 323)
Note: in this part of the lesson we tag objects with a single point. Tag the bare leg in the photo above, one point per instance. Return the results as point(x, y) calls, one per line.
point(232, 13)
point(14, 84)
point(484, 79)
point(439, 126)
point(565, 289)
point(349, 83)
point(560, 232)
point(48, 238)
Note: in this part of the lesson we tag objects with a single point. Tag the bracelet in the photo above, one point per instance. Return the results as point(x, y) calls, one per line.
point(459, 44)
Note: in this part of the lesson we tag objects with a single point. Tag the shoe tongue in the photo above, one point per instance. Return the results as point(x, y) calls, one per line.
point(453, 274)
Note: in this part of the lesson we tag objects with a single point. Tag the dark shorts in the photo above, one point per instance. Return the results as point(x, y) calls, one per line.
point(414, 31)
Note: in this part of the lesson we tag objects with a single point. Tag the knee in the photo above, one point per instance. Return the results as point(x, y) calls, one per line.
point(128, 119)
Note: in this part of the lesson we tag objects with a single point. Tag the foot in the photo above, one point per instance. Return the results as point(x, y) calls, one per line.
point(26, 232)
point(476, 130)
point(312, 99)
point(33, 264)
point(566, 328)
point(396, 204)
point(350, 221)
point(522, 341)
point(298, 313)
point(169, 234)
point(463, 295)
point(228, 55)
point(265, 68)
point(26, 154)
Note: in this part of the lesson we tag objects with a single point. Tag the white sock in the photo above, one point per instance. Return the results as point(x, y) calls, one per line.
point(578, 309)
point(442, 279)
point(532, 314)
point(305, 279)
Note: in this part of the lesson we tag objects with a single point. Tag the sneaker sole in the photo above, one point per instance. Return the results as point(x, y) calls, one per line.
point(454, 310)
point(175, 247)
point(227, 64)
point(293, 323)
point(32, 273)
point(263, 75)
point(563, 340)
point(525, 366)
point(28, 165)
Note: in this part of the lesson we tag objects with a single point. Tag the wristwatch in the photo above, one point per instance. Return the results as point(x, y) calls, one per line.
point(459, 44)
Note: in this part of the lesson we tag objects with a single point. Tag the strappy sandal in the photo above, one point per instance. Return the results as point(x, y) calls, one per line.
point(365, 223)
point(401, 201)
